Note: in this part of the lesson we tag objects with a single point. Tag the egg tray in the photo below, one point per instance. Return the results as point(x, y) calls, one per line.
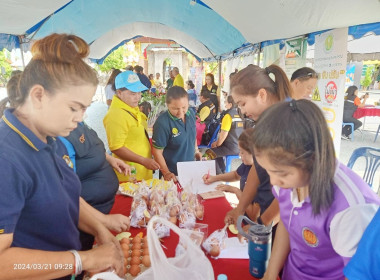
point(128, 276)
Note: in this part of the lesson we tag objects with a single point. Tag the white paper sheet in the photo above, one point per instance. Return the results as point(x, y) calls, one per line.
point(190, 174)
point(234, 249)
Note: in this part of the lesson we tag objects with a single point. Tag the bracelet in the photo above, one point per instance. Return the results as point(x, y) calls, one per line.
point(77, 262)
point(260, 221)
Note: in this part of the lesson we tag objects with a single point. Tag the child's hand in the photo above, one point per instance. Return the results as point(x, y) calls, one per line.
point(207, 179)
point(225, 188)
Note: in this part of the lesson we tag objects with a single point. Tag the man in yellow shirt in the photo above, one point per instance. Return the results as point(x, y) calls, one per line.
point(126, 127)
point(178, 80)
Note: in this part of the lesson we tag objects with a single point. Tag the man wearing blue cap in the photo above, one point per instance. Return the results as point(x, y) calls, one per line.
point(126, 127)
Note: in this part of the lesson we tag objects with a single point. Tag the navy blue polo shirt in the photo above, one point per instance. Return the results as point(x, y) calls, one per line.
point(98, 179)
point(243, 171)
point(175, 137)
point(264, 195)
point(39, 192)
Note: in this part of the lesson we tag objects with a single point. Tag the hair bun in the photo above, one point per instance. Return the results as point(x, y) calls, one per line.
point(62, 48)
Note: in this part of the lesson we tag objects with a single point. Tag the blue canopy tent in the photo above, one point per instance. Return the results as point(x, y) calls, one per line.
point(208, 29)
point(195, 26)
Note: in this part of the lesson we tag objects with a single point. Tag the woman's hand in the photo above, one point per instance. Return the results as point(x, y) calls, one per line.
point(104, 236)
point(117, 222)
point(170, 176)
point(102, 258)
point(120, 166)
point(198, 156)
point(226, 188)
point(151, 164)
point(214, 144)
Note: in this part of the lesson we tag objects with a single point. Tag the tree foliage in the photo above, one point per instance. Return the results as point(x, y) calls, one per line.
point(5, 66)
point(114, 60)
point(367, 80)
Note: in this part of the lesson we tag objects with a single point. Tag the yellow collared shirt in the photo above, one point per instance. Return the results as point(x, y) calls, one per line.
point(178, 81)
point(125, 127)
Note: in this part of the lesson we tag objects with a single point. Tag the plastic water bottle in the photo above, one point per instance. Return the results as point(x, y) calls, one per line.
point(132, 177)
point(259, 245)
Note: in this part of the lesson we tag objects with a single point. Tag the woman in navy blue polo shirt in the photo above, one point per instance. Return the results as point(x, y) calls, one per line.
point(40, 210)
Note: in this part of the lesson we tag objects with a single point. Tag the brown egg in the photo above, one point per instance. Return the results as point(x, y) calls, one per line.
point(146, 261)
point(135, 260)
point(124, 246)
point(125, 241)
point(126, 253)
point(136, 253)
point(136, 239)
point(145, 239)
point(136, 246)
point(134, 270)
point(125, 270)
point(146, 251)
point(215, 251)
point(145, 245)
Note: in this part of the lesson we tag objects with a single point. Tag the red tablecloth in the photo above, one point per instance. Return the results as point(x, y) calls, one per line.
point(366, 112)
point(215, 210)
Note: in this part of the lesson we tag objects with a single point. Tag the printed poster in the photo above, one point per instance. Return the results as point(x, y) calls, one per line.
point(295, 55)
point(330, 61)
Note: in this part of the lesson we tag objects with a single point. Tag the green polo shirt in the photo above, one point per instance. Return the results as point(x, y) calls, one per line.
point(175, 137)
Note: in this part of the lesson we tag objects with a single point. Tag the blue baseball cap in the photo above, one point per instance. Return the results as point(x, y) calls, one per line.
point(130, 81)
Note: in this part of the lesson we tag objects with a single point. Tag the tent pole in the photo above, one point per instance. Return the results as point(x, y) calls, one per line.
point(258, 56)
point(220, 72)
point(22, 53)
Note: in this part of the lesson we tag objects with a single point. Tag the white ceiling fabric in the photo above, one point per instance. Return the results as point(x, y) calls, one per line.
point(17, 16)
point(261, 20)
point(366, 44)
point(147, 29)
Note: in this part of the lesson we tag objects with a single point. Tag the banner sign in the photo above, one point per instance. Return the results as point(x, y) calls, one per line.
point(330, 61)
point(295, 55)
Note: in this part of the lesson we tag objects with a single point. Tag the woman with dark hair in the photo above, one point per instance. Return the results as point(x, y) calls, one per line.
point(227, 143)
point(110, 87)
point(40, 208)
point(254, 91)
point(324, 205)
point(303, 82)
point(351, 103)
point(212, 88)
point(145, 107)
point(174, 134)
point(85, 153)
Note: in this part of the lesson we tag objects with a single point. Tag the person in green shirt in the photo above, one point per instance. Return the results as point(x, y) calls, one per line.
point(169, 82)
